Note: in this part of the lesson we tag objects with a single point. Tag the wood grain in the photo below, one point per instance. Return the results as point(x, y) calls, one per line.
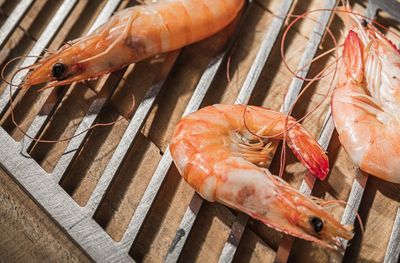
point(26, 232)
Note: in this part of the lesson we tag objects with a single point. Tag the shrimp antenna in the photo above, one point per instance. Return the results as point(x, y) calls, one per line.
point(228, 65)
point(287, 127)
point(345, 3)
point(59, 140)
point(17, 125)
point(3, 78)
point(319, 76)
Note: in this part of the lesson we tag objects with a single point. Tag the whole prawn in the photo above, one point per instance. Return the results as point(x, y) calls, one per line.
point(220, 152)
point(366, 102)
point(132, 35)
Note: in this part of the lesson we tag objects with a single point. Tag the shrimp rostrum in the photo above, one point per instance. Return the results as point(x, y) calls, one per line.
point(366, 102)
point(132, 35)
point(221, 151)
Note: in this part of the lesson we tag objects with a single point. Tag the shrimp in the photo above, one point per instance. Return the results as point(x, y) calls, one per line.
point(366, 102)
point(219, 155)
point(132, 35)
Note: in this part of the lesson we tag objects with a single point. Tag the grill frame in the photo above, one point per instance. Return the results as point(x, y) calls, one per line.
point(77, 221)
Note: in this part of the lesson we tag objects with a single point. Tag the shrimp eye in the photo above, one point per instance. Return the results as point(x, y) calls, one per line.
point(364, 22)
point(58, 71)
point(317, 224)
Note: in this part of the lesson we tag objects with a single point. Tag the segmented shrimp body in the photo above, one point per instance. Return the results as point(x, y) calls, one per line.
point(366, 102)
point(219, 155)
point(132, 35)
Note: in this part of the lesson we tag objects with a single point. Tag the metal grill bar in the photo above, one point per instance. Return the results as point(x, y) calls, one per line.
point(48, 34)
point(235, 236)
point(263, 53)
point(129, 136)
point(353, 204)
point(94, 109)
point(293, 91)
point(192, 211)
point(58, 204)
point(310, 52)
point(13, 20)
point(107, 11)
point(42, 117)
point(80, 135)
point(306, 187)
point(393, 249)
point(166, 160)
point(392, 7)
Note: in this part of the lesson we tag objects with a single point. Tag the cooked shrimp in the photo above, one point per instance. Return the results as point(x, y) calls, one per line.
point(221, 158)
point(366, 102)
point(132, 35)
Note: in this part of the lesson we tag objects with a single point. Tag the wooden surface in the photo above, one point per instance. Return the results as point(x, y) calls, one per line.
point(27, 234)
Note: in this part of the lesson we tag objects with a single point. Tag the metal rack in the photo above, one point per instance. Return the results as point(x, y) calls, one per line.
point(78, 221)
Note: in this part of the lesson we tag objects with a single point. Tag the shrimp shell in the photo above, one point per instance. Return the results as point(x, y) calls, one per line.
point(218, 156)
point(366, 102)
point(132, 35)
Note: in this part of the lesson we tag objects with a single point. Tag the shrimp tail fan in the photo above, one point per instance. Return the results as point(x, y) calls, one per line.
point(309, 152)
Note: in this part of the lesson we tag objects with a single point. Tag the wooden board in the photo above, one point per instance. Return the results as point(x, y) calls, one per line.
point(27, 234)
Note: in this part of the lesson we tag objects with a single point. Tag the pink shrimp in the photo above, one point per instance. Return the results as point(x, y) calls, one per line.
point(132, 35)
point(366, 102)
point(223, 161)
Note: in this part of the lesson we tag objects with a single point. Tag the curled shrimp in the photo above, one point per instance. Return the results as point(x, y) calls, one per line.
point(132, 35)
point(218, 156)
point(366, 102)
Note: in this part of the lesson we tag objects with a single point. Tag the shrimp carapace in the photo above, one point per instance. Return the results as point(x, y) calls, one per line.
point(132, 35)
point(366, 102)
point(221, 151)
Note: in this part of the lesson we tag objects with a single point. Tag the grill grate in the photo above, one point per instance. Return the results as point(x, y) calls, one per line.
point(78, 221)
point(13, 21)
